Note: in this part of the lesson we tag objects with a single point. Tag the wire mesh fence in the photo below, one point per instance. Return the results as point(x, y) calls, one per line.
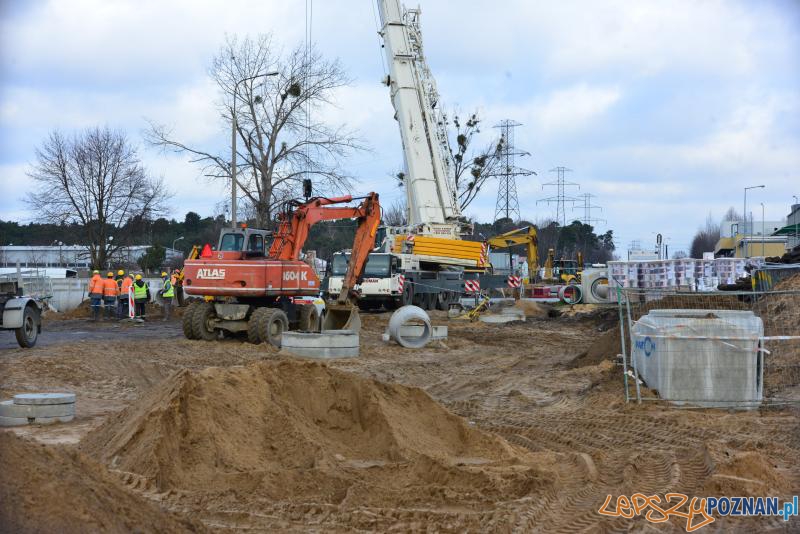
point(35, 283)
point(721, 349)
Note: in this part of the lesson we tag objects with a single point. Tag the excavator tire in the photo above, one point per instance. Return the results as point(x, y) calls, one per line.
point(188, 329)
point(200, 317)
point(253, 332)
point(272, 325)
point(309, 318)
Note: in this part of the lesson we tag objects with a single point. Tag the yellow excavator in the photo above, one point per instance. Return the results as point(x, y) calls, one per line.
point(563, 270)
point(521, 236)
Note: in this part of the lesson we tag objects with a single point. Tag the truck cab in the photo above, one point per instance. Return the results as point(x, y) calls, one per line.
point(380, 284)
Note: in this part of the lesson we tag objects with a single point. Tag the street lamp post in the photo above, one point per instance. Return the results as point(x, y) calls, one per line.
point(109, 242)
point(175, 241)
point(744, 218)
point(796, 221)
point(233, 141)
point(763, 234)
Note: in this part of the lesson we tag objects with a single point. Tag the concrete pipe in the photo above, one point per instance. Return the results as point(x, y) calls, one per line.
point(327, 344)
point(414, 338)
point(599, 288)
point(570, 294)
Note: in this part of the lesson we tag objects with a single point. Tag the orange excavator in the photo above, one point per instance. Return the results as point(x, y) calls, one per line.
point(251, 289)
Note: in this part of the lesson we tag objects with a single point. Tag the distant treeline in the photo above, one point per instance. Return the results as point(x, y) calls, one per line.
point(326, 237)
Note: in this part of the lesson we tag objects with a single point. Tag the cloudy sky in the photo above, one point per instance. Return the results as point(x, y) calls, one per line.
point(664, 110)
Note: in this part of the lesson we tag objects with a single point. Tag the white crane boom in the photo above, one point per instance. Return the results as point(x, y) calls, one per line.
point(432, 206)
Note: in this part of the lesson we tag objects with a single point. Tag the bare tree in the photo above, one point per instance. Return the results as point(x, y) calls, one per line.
point(94, 179)
point(396, 214)
point(548, 232)
point(283, 139)
point(471, 167)
point(731, 215)
point(705, 240)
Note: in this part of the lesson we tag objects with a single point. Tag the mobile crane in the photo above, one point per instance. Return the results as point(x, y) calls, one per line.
point(249, 289)
point(425, 262)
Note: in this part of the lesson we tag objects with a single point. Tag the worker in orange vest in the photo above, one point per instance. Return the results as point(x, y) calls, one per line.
point(124, 286)
point(110, 294)
point(96, 294)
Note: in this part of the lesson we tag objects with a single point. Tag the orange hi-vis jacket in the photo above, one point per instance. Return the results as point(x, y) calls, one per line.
point(96, 286)
point(127, 282)
point(110, 288)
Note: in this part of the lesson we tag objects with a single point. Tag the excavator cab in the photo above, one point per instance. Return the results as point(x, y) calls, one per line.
point(243, 243)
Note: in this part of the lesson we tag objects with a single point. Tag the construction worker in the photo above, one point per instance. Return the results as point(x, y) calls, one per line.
point(177, 284)
point(124, 285)
point(167, 292)
point(141, 296)
point(96, 294)
point(110, 294)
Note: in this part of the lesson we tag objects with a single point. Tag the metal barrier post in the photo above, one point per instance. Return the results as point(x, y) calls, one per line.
point(622, 339)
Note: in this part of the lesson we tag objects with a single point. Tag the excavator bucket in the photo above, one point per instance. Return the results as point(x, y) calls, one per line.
point(342, 317)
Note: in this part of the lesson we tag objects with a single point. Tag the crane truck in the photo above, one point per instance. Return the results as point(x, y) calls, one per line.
point(425, 262)
point(248, 288)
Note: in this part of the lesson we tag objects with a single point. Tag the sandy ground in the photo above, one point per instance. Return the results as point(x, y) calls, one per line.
point(547, 390)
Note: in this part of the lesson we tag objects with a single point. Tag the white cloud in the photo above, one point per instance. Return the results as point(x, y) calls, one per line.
point(573, 108)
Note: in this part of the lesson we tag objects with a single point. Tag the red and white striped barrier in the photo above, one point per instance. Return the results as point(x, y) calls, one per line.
point(131, 303)
point(401, 280)
point(514, 281)
point(472, 286)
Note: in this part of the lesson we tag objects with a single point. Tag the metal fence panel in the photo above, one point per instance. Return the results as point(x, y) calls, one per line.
point(721, 349)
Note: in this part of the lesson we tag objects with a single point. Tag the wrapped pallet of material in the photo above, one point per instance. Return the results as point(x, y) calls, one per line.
point(709, 358)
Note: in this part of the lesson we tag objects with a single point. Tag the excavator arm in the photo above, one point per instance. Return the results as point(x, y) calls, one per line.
point(521, 236)
point(293, 232)
point(295, 224)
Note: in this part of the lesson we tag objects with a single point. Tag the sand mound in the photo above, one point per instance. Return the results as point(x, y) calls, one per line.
point(748, 474)
point(54, 489)
point(604, 349)
point(300, 431)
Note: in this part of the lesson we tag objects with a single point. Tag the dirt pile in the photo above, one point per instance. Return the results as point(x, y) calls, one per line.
point(748, 473)
point(84, 311)
point(791, 283)
point(604, 348)
point(533, 309)
point(303, 432)
point(54, 489)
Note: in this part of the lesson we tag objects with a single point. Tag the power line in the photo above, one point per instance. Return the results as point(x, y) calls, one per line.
point(587, 210)
point(507, 205)
point(560, 199)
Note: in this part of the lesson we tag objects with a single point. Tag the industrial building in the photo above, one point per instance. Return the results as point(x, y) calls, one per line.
point(792, 229)
point(739, 239)
point(73, 256)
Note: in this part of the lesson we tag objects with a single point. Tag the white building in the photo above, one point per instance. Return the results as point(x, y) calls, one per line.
point(792, 228)
point(72, 256)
